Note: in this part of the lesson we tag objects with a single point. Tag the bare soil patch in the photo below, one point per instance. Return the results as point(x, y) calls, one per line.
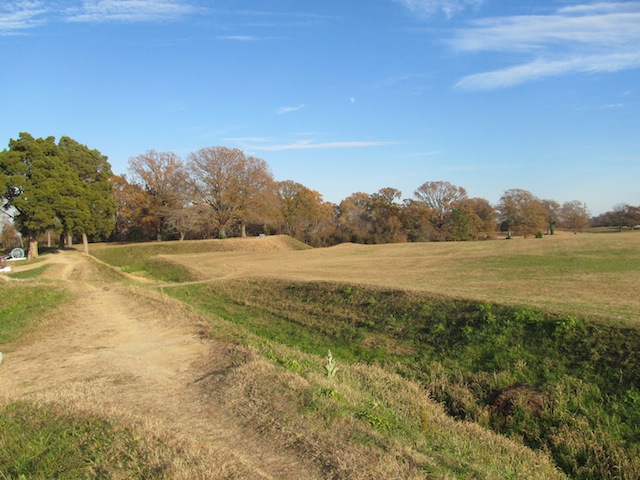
point(117, 351)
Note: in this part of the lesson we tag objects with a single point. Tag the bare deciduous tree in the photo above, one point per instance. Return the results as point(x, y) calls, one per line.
point(574, 215)
point(440, 198)
point(523, 212)
point(164, 177)
point(304, 214)
point(233, 185)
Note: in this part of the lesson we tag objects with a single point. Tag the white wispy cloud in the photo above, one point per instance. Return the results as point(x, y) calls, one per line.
point(600, 37)
point(261, 144)
point(427, 8)
point(283, 110)
point(238, 38)
point(17, 16)
point(245, 38)
point(317, 146)
point(130, 10)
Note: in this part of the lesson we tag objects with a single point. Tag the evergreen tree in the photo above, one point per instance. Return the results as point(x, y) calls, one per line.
point(47, 186)
point(29, 171)
point(92, 191)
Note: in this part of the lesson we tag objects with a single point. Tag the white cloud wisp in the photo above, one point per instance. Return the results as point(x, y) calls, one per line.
point(15, 17)
point(283, 110)
point(130, 11)
point(251, 143)
point(427, 8)
point(601, 37)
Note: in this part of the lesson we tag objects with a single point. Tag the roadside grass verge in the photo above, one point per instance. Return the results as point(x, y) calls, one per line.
point(53, 440)
point(23, 306)
point(46, 442)
point(557, 383)
point(29, 274)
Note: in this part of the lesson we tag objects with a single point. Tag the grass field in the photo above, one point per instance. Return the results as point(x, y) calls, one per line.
point(585, 274)
point(534, 339)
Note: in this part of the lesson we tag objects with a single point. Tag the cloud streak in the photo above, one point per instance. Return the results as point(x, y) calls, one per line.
point(17, 16)
point(262, 144)
point(318, 146)
point(283, 110)
point(600, 37)
point(427, 8)
point(130, 11)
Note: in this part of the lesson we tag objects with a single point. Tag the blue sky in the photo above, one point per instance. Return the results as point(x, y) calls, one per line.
point(343, 95)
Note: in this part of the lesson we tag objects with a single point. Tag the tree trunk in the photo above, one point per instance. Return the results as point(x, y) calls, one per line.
point(244, 230)
point(61, 241)
point(69, 240)
point(85, 244)
point(33, 250)
point(49, 238)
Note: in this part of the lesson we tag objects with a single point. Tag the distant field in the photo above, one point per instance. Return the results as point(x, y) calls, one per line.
point(586, 274)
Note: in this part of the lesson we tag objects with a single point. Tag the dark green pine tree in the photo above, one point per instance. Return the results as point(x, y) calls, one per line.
point(92, 193)
point(28, 171)
point(47, 186)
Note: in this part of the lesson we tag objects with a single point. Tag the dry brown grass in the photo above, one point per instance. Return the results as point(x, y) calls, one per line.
point(588, 274)
point(134, 357)
point(271, 400)
point(325, 422)
point(176, 455)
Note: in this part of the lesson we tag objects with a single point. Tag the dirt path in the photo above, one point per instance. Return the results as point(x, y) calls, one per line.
point(138, 359)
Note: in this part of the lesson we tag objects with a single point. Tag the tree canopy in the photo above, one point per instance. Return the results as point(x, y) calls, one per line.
point(65, 187)
point(230, 183)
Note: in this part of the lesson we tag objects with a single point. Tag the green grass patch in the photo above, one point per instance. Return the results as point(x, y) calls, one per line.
point(559, 383)
point(45, 442)
point(23, 306)
point(29, 274)
point(146, 259)
point(161, 270)
point(308, 333)
point(129, 254)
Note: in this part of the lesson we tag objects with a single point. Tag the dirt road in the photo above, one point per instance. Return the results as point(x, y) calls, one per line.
point(137, 358)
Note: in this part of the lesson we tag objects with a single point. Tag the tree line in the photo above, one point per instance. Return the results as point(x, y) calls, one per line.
point(68, 189)
point(220, 192)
